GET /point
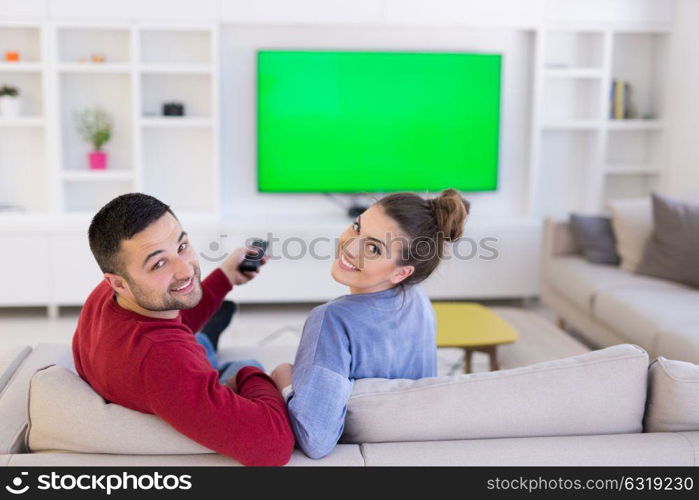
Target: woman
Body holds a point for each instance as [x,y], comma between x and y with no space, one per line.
[385,326]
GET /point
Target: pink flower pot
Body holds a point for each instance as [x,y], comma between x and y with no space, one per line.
[98,160]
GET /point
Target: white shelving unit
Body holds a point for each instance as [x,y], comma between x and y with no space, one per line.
[25,140]
[580,158]
[142,67]
[179,64]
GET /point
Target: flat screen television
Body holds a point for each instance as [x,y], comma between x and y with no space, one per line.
[348,122]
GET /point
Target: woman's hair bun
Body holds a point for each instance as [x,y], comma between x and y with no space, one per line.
[450,211]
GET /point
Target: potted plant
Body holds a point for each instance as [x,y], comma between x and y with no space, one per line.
[95,127]
[9,101]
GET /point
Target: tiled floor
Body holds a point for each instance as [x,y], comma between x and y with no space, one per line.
[272,325]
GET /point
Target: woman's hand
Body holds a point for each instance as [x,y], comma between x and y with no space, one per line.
[282,374]
[230,266]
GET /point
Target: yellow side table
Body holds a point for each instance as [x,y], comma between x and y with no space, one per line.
[472,327]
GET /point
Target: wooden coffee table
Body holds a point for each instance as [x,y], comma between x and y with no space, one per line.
[472,327]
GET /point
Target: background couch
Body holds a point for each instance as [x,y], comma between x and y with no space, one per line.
[609,305]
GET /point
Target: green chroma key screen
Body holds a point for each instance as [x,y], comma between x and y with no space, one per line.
[377,121]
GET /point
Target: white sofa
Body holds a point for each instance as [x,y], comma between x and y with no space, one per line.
[604,415]
[608,305]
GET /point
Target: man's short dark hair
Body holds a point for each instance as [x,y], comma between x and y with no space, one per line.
[119,220]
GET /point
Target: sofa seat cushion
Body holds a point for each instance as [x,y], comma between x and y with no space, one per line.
[673,396]
[343,455]
[579,281]
[660,448]
[640,314]
[600,392]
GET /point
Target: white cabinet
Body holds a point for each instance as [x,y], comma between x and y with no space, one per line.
[489,263]
[74,271]
[25,278]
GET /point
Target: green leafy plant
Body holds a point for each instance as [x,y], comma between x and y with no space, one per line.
[95,126]
[6,90]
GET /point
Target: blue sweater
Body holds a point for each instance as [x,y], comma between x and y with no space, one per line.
[387,334]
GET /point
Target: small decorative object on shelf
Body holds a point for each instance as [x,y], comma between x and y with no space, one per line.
[12,56]
[173,109]
[95,127]
[97,58]
[10,103]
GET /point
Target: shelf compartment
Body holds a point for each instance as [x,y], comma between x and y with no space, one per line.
[76,43]
[30,85]
[25,40]
[24,178]
[80,196]
[111,92]
[641,60]
[176,46]
[194,91]
[565,162]
[170,160]
[634,147]
[575,99]
[620,187]
[573,49]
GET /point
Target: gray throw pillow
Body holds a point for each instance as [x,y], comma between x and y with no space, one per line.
[673,250]
[594,235]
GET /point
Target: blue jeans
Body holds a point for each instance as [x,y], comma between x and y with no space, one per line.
[227,369]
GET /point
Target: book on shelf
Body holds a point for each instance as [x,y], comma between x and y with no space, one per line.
[621,106]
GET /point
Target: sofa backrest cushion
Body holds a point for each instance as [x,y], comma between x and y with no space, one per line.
[673,396]
[594,235]
[673,250]
[66,414]
[600,392]
[632,221]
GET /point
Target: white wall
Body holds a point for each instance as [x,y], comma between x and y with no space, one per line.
[683,81]
[511,13]
[238,139]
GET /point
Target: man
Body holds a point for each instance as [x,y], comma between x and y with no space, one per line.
[135,343]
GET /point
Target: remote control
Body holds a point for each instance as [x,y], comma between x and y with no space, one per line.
[251,262]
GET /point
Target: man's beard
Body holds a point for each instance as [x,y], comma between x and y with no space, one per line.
[166,301]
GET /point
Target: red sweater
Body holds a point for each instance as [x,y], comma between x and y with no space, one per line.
[156,366]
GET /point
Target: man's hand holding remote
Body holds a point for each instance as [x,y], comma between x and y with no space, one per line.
[230,266]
